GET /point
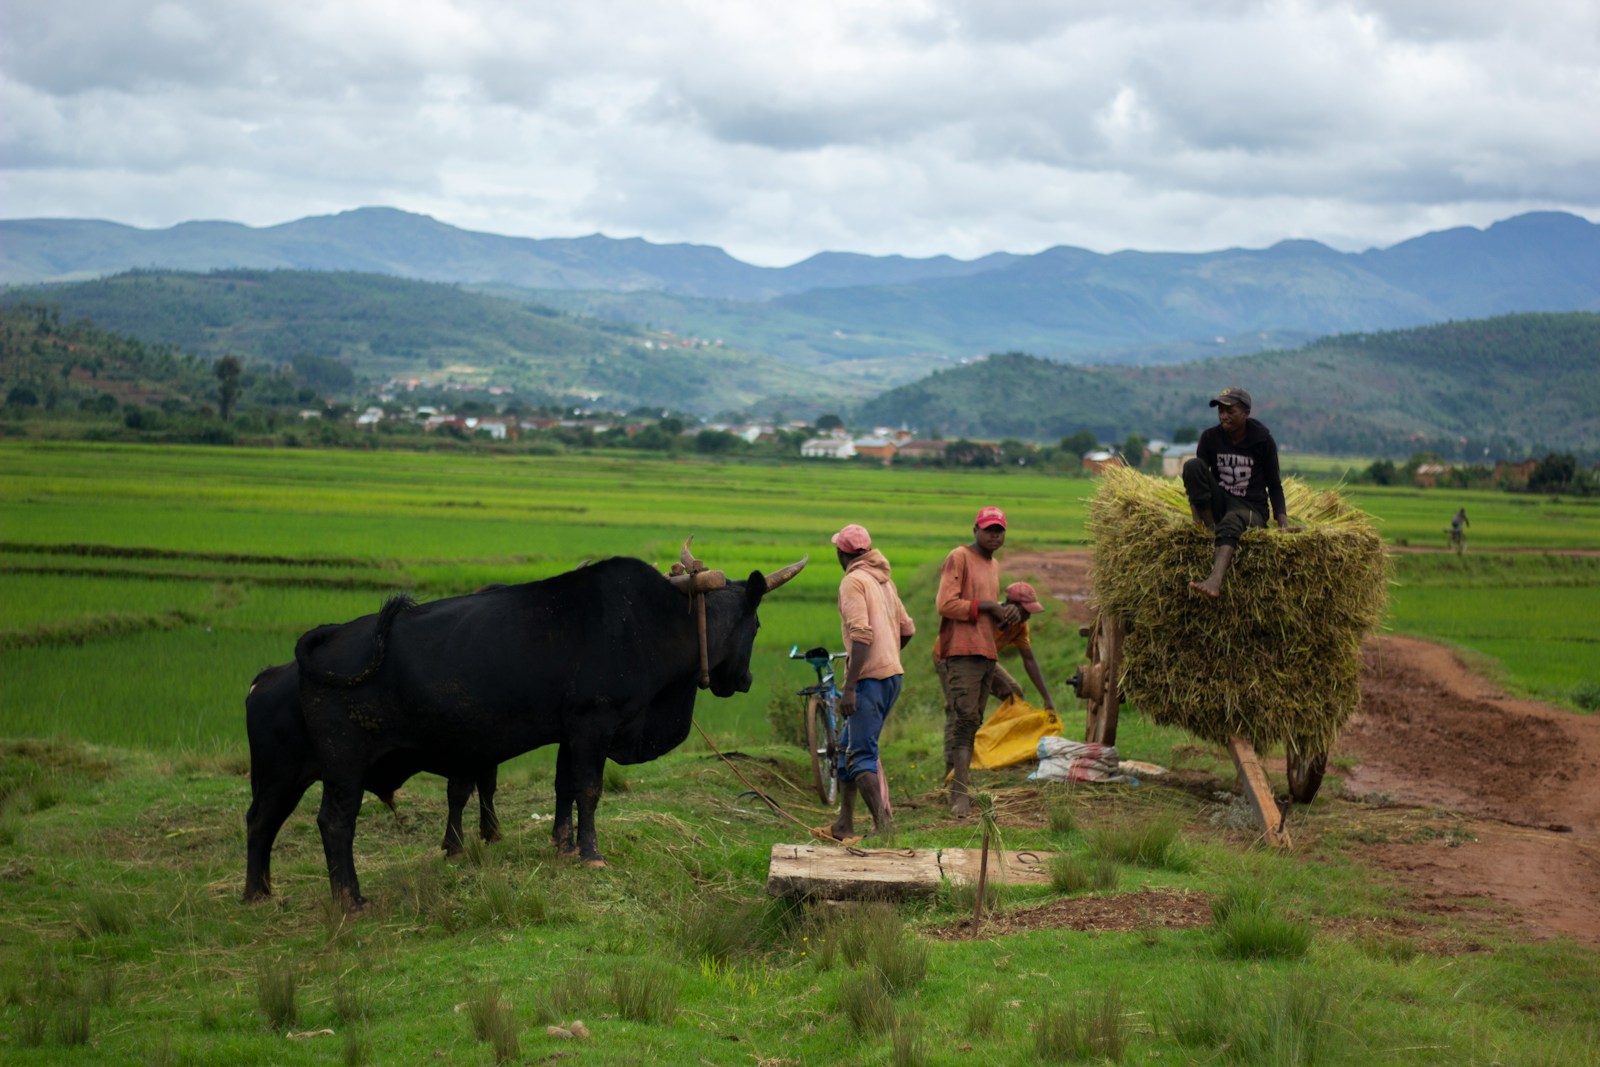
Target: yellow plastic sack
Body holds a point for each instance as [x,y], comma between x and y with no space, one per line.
[1012,734]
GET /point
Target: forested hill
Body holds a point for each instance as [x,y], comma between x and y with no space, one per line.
[381,327]
[1513,384]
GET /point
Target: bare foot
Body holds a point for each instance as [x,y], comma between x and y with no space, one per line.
[1204,590]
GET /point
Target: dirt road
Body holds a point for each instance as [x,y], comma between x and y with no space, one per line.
[1525,777]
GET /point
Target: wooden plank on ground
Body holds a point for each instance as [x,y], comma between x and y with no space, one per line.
[833,873]
[1009,868]
[1259,792]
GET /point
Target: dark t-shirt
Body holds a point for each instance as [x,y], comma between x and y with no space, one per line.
[1247,470]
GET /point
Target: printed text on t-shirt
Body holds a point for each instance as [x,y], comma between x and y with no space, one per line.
[1233,471]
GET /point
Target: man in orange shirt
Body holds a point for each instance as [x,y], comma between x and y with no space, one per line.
[875,627]
[965,655]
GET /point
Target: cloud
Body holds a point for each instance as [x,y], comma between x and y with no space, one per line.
[914,126]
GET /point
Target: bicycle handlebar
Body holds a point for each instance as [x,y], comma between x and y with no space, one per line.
[815,654]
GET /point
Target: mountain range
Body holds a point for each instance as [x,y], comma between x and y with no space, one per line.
[1062,303]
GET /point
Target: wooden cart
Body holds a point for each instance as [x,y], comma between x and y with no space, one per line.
[1096,684]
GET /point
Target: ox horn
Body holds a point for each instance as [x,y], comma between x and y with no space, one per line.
[778,577]
[687,558]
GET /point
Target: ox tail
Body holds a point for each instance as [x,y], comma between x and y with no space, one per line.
[310,642]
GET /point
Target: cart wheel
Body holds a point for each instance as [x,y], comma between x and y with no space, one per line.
[823,744]
[1305,772]
[1096,683]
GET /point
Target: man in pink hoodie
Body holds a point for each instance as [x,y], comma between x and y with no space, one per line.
[875,627]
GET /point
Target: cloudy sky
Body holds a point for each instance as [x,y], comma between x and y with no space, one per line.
[778,129]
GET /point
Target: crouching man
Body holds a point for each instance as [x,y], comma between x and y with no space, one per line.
[1231,481]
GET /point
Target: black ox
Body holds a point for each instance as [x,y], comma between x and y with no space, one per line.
[604,661]
[284,763]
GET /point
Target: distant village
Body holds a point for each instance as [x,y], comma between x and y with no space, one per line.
[826,439]
[492,414]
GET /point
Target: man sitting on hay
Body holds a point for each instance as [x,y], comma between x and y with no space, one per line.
[1231,480]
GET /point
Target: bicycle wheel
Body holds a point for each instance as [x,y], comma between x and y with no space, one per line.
[823,744]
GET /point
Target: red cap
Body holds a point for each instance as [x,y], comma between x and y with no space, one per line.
[853,539]
[1022,593]
[990,516]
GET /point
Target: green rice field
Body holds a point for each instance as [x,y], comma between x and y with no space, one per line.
[142,588]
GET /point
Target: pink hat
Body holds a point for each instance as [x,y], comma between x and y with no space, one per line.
[1022,593]
[853,539]
[990,516]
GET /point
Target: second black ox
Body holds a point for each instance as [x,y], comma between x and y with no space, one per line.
[604,661]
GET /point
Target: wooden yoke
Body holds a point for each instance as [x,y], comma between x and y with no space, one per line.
[689,575]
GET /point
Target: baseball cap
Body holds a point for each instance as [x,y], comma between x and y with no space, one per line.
[1231,396]
[1022,593]
[990,516]
[853,539]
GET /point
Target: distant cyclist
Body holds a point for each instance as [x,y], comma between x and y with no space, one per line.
[876,627]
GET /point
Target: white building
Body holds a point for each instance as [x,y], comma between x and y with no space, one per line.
[828,448]
[1173,457]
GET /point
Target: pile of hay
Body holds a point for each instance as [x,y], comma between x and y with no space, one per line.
[1275,659]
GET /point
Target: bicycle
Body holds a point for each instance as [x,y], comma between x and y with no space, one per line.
[824,730]
[1458,539]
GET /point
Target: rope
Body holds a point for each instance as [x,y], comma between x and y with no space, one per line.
[811,831]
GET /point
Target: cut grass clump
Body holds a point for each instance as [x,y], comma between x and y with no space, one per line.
[647,993]
[1247,927]
[1151,843]
[1061,812]
[1071,873]
[718,928]
[1217,668]
[906,1045]
[31,1026]
[1287,1023]
[351,1003]
[571,991]
[865,999]
[500,903]
[276,983]
[107,913]
[356,1050]
[494,1022]
[1070,1033]
[72,1023]
[986,1013]
[874,936]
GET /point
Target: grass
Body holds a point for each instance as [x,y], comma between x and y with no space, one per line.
[1075,1032]
[1071,873]
[1143,843]
[123,787]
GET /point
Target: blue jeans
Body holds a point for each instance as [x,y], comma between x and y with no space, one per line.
[858,749]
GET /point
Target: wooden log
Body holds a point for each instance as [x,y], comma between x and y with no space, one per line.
[833,873]
[1259,792]
[1011,867]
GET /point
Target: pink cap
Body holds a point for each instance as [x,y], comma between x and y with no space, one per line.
[1022,593]
[853,539]
[990,516]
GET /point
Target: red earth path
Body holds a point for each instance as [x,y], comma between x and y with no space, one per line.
[1523,776]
